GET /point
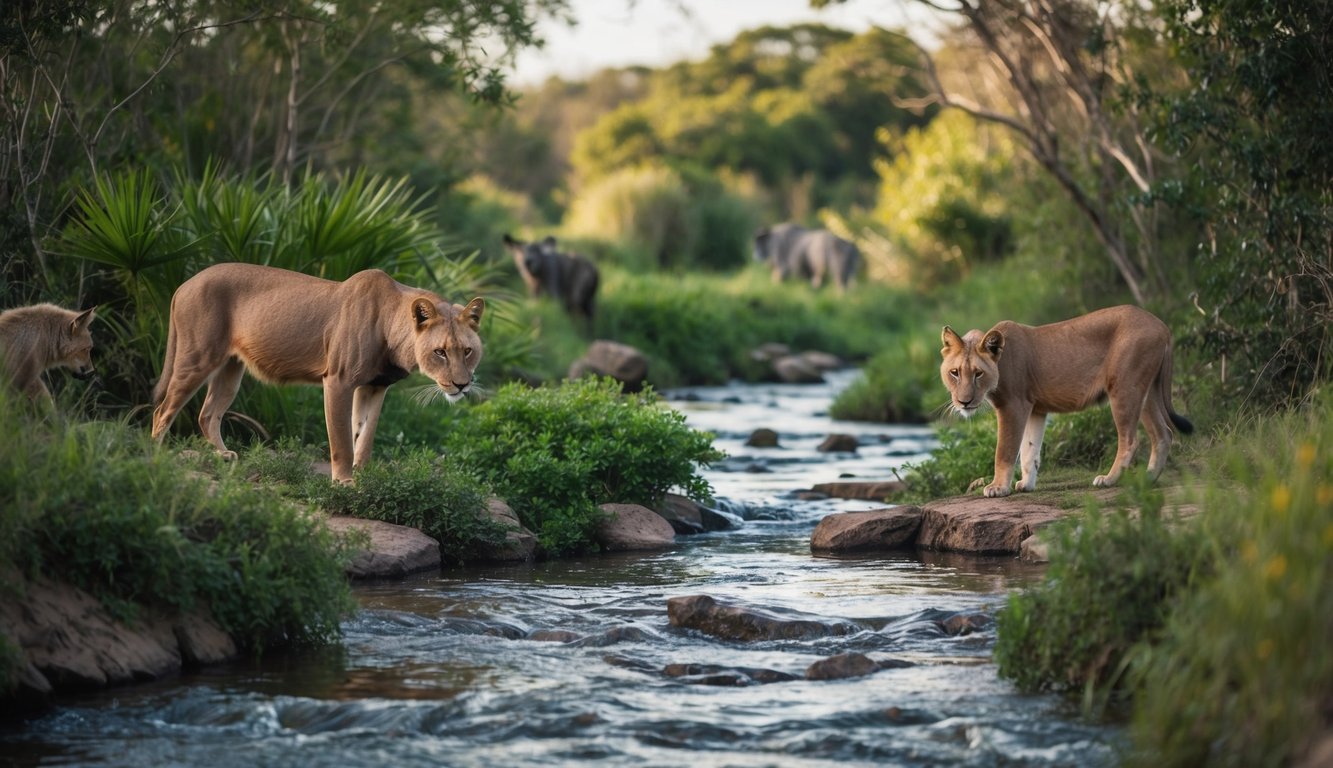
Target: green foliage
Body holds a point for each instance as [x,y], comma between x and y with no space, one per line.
[414,487]
[1112,580]
[1252,130]
[895,385]
[966,452]
[945,200]
[1241,672]
[672,219]
[555,453]
[98,505]
[1083,439]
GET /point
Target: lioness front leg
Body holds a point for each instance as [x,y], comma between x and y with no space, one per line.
[1008,439]
[367,402]
[1030,453]
[338,419]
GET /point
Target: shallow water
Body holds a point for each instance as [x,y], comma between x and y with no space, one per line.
[444,669]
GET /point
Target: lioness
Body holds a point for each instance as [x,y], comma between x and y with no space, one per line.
[40,337]
[1121,353]
[355,338]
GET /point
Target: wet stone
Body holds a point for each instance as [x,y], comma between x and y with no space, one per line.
[841,667]
[839,444]
[763,438]
[965,624]
[554,636]
[747,624]
[716,674]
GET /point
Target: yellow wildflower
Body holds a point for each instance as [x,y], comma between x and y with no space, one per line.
[1281,499]
[1275,568]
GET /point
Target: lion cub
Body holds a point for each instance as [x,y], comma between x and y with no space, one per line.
[355,338]
[37,338]
[1122,354]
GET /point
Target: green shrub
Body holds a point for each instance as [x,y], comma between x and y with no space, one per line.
[966,452]
[555,453]
[100,506]
[1112,580]
[1083,439]
[1241,673]
[895,385]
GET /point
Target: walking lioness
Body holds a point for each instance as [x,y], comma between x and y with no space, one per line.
[355,338]
[1122,354]
[40,337]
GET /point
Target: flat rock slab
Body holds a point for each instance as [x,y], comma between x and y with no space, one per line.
[71,642]
[394,551]
[868,531]
[982,526]
[874,490]
[748,624]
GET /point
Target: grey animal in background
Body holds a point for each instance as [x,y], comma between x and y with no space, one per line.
[811,254]
[566,277]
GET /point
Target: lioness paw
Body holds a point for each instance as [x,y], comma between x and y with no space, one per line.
[1103,481]
[997,490]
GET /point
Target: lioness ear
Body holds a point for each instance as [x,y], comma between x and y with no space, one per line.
[423,311]
[951,340]
[472,312]
[993,343]
[84,319]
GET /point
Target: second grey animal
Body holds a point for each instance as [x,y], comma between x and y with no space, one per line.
[813,254]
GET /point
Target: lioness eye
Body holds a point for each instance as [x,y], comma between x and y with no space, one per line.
[954,373]
[440,353]
[467,352]
[979,374]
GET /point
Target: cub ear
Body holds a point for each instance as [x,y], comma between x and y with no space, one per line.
[472,312]
[84,319]
[952,341]
[993,342]
[423,311]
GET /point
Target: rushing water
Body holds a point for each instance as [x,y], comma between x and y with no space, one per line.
[563,663]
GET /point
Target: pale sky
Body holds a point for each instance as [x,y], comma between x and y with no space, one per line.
[617,33]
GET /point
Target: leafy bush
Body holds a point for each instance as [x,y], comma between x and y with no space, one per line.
[99,505]
[1112,578]
[1241,672]
[966,452]
[895,385]
[556,453]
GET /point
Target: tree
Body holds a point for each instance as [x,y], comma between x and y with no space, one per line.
[1068,66]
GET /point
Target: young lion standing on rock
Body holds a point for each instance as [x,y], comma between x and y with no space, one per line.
[43,336]
[355,338]
[1122,354]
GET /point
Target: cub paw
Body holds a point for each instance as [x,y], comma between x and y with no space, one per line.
[996,491]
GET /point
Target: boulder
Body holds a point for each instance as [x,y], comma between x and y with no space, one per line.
[842,666]
[70,642]
[519,544]
[769,351]
[629,527]
[822,361]
[961,624]
[762,438]
[621,362]
[715,674]
[1034,549]
[983,526]
[872,530]
[794,369]
[684,514]
[839,444]
[394,551]
[874,490]
[735,622]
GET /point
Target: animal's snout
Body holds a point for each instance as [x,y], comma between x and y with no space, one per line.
[85,372]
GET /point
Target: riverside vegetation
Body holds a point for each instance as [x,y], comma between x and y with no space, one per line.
[1209,633]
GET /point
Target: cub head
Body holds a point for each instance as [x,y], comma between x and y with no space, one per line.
[971,367]
[75,346]
[446,342]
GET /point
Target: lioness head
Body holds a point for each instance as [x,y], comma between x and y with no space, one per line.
[75,347]
[970,369]
[447,345]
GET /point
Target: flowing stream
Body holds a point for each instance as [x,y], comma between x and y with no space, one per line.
[565,663]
